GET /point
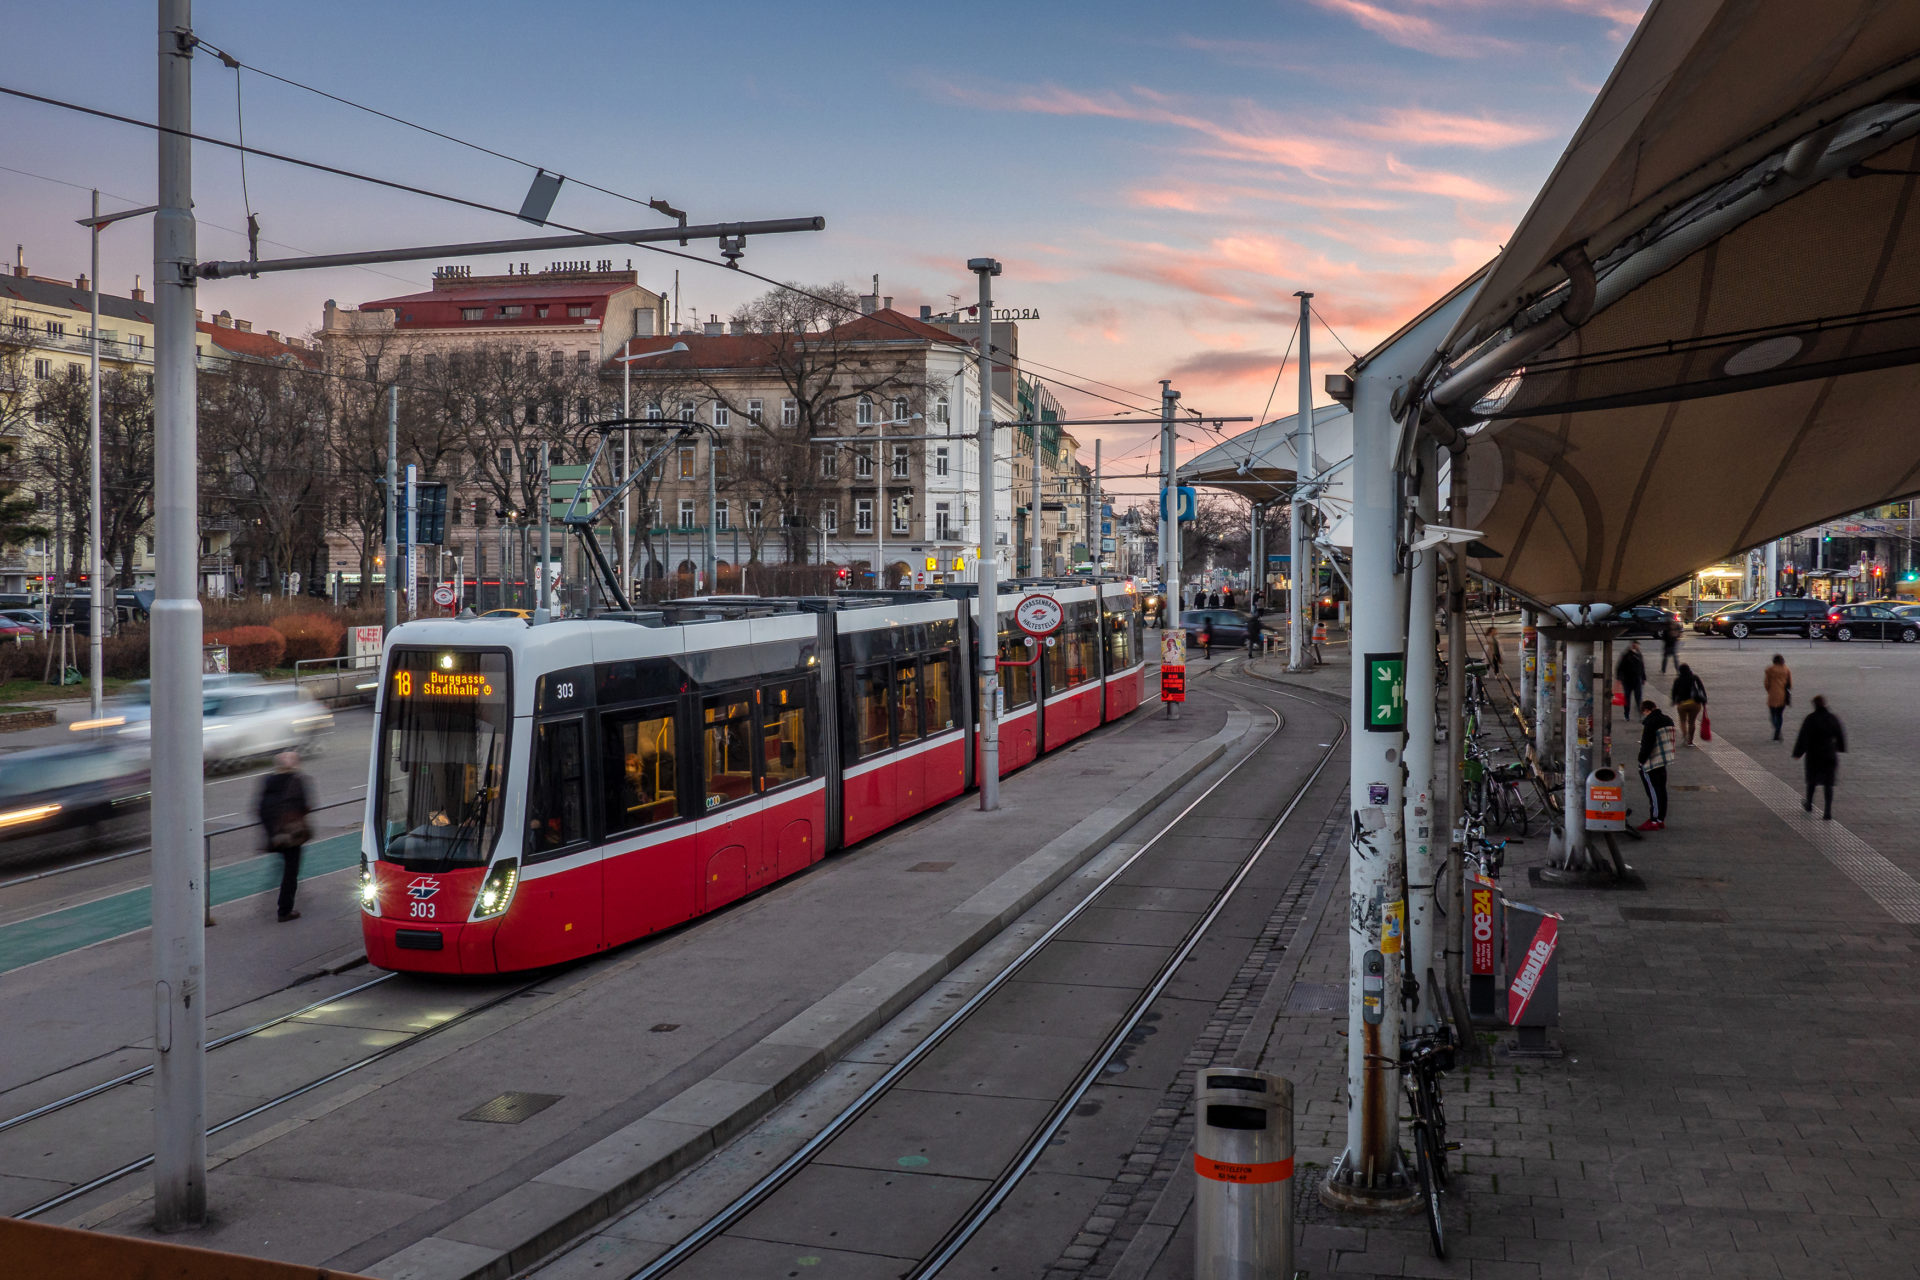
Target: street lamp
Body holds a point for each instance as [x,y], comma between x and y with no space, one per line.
[626,456]
[95,578]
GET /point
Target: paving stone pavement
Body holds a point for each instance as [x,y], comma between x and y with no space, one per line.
[1739,1096]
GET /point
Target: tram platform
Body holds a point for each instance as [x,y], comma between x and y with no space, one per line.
[541,1106]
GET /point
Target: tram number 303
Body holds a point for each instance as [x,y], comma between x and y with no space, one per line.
[420,910]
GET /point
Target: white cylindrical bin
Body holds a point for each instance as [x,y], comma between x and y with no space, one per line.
[1606,803]
[1243,1166]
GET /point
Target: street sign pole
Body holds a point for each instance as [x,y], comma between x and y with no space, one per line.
[989,599]
[1300,597]
[392,499]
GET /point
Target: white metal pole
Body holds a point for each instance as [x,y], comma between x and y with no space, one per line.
[178,806]
[626,473]
[1098,517]
[1425,870]
[1573,796]
[413,541]
[1033,512]
[393,502]
[1299,541]
[1170,499]
[989,594]
[713,544]
[1771,587]
[96,638]
[882,515]
[1370,1167]
[545,609]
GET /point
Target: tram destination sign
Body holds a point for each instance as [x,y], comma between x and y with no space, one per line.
[1038,615]
[451,686]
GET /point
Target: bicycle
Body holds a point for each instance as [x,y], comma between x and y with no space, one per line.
[1425,1056]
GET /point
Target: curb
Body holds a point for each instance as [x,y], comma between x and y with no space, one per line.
[530,1222]
[12,721]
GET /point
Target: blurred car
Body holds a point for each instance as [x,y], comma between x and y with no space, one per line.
[243,721]
[11,629]
[522,614]
[135,703]
[1229,626]
[32,619]
[55,799]
[1907,610]
[1646,620]
[1783,615]
[1703,621]
[1870,622]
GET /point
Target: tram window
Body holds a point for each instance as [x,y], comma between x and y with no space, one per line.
[1074,658]
[557,808]
[639,768]
[936,677]
[871,714]
[1016,681]
[906,680]
[783,734]
[728,750]
[1119,640]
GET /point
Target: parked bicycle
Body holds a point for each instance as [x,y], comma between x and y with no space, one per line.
[1425,1056]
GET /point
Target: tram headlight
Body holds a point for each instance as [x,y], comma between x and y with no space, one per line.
[497,892]
[369,890]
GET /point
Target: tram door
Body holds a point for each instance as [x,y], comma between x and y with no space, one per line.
[557,909]
[731,853]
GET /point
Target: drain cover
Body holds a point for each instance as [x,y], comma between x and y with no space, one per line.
[1316,997]
[512,1108]
[1677,915]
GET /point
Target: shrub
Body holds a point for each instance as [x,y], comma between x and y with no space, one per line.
[251,648]
[124,654]
[310,635]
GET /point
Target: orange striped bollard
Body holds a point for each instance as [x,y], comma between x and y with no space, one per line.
[1243,1175]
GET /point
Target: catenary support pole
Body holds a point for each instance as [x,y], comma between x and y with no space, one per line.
[713,507]
[1426,846]
[178,806]
[1098,516]
[1545,689]
[392,566]
[1299,526]
[989,596]
[1771,587]
[413,541]
[1576,732]
[1456,746]
[96,558]
[1034,566]
[543,612]
[1170,501]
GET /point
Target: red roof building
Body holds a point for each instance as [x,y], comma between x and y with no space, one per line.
[571,306]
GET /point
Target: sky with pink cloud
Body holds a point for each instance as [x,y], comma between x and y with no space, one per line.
[1158,179]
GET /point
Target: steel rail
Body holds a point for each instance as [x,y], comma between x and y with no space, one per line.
[770,1182]
[300,1091]
[94,1091]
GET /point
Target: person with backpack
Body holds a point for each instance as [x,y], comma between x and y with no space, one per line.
[1656,753]
[1690,700]
[1822,741]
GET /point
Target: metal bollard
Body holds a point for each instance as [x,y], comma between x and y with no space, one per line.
[1243,1166]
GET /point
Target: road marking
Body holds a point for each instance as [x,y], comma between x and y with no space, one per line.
[1879,879]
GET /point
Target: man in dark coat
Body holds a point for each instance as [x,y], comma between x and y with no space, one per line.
[1631,672]
[1254,629]
[1822,740]
[1656,753]
[283,817]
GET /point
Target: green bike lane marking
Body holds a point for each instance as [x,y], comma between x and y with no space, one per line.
[40,937]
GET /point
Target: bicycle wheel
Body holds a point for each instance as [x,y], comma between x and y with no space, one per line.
[1429,1188]
[1436,1128]
[1517,811]
[1496,806]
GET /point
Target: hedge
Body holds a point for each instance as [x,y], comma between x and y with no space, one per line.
[251,648]
[310,635]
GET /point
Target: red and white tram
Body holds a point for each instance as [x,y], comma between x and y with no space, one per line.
[540,793]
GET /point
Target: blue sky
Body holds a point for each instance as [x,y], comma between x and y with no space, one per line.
[1157,179]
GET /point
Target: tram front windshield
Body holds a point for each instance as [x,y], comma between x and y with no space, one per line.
[443,757]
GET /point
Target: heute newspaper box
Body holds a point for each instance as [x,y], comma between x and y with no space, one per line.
[1533,978]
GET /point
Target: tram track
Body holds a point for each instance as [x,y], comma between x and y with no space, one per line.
[982,1210]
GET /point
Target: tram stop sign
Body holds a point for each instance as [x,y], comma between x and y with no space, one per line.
[443,595]
[1386,692]
[1038,615]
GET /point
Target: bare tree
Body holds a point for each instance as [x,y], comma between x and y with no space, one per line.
[263,432]
[59,457]
[19,514]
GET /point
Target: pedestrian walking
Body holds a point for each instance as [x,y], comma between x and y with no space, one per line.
[1821,742]
[1656,753]
[1496,661]
[283,817]
[1213,599]
[1670,646]
[1779,683]
[1226,598]
[1206,636]
[1253,635]
[1689,694]
[1631,672]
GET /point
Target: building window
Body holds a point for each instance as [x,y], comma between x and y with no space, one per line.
[753,412]
[830,517]
[722,516]
[473,313]
[686,462]
[540,312]
[579,310]
[899,408]
[653,513]
[653,412]
[863,412]
[940,460]
[583,360]
[862,462]
[138,342]
[756,459]
[943,521]
[373,368]
[829,462]
[902,510]
[406,365]
[753,513]
[789,413]
[687,410]
[686,513]
[719,458]
[43,369]
[556,361]
[863,515]
[940,414]
[56,328]
[722,416]
[902,455]
[510,313]
[506,464]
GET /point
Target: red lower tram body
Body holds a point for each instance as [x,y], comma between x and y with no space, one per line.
[544,793]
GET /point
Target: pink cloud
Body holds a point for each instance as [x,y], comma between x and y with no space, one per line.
[1410,31]
[1443,129]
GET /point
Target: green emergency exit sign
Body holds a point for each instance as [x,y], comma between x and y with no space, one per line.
[1386,692]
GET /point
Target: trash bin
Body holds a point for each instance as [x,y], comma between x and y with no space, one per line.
[1243,1166]
[1606,803]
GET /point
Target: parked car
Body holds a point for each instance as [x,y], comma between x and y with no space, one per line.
[56,799]
[1229,626]
[1870,622]
[1907,610]
[522,614]
[1703,621]
[1646,620]
[32,619]
[13,630]
[1784,615]
[243,721]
